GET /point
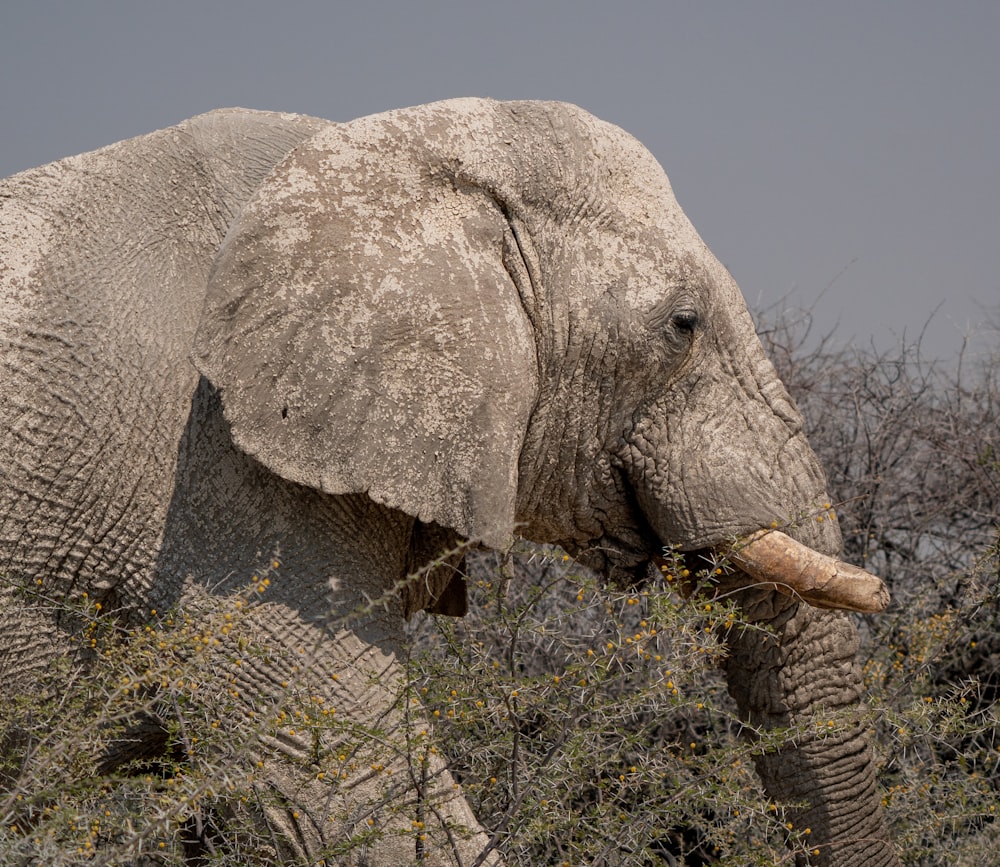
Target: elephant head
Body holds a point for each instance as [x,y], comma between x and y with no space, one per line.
[495,318]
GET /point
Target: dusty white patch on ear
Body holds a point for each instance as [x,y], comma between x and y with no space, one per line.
[292,230]
[299,182]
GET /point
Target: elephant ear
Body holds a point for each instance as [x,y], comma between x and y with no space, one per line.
[364,333]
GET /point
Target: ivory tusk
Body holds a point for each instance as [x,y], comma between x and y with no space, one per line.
[772,557]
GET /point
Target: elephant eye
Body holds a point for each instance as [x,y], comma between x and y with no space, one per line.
[685,321]
[677,320]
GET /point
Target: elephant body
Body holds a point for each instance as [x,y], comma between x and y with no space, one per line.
[351,349]
[94,479]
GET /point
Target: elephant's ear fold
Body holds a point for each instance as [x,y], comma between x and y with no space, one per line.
[365,335]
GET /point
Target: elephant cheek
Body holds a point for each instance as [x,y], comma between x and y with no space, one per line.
[713,493]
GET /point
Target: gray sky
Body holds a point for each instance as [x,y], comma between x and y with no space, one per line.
[843,156]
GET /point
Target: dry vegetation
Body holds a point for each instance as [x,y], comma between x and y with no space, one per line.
[591,725]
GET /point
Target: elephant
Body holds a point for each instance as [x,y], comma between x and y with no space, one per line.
[362,349]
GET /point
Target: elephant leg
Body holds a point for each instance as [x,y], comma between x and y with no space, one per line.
[33,641]
[32,647]
[805,676]
[342,764]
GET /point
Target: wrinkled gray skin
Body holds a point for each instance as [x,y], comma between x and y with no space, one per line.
[356,344]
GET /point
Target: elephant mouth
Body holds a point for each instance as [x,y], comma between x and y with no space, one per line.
[772,559]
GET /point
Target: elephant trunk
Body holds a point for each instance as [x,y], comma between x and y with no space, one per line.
[803,676]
